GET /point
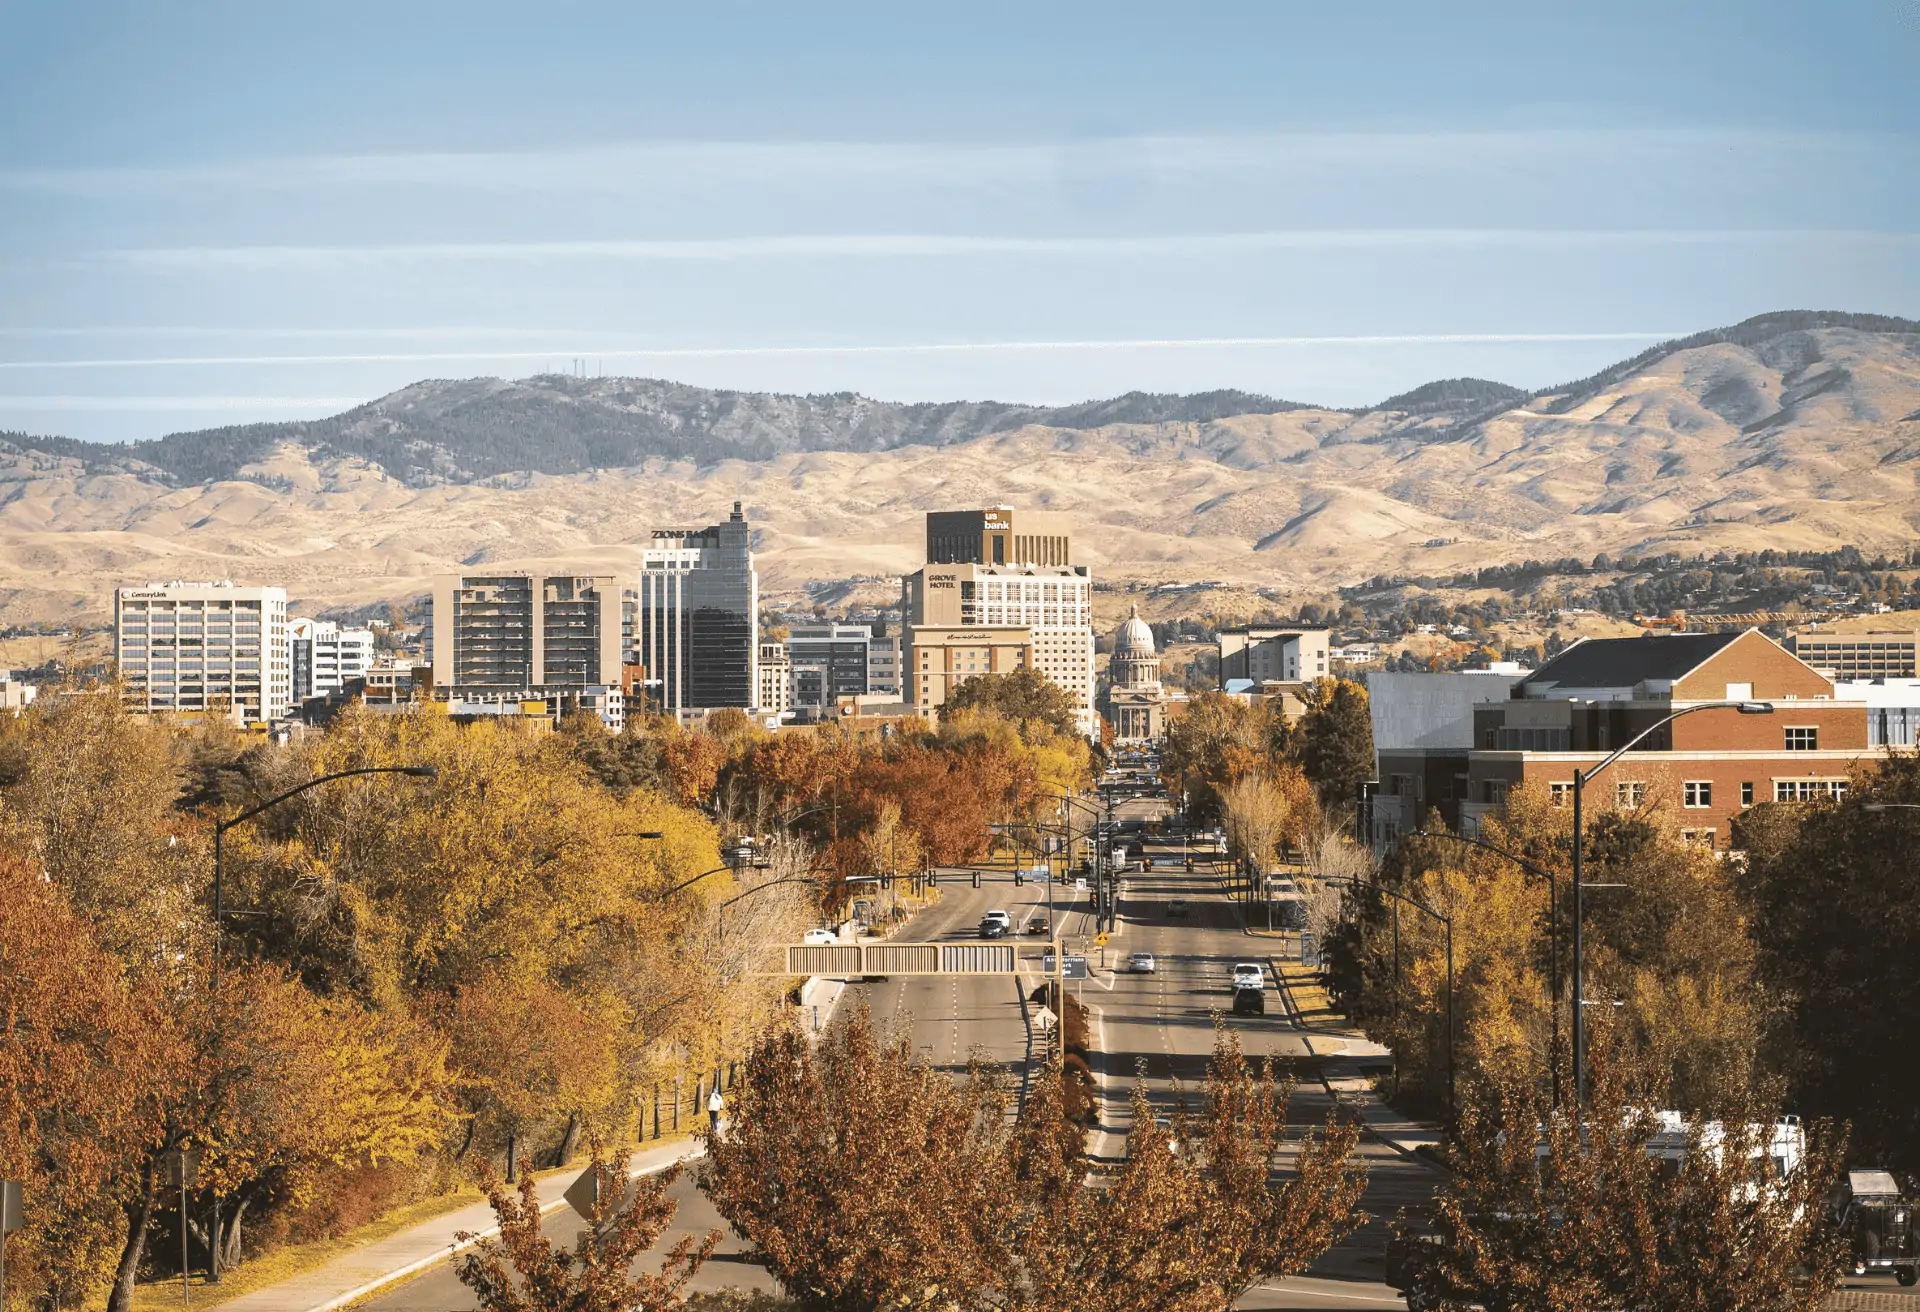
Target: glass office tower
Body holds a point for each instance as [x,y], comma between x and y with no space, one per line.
[695,623]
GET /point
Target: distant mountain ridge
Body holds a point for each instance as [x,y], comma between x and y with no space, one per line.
[1797,431]
[470,430]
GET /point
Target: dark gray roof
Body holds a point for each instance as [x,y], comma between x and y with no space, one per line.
[1623,662]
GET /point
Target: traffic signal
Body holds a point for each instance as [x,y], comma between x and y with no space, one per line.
[933,879]
[976,879]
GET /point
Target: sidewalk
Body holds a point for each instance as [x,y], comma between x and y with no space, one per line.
[352,1276]
[1346,1053]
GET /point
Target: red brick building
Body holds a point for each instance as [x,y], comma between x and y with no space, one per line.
[1698,772]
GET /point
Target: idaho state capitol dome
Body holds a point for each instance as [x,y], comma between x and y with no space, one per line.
[1135,661]
[1135,638]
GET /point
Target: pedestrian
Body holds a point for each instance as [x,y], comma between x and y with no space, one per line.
[715,1105]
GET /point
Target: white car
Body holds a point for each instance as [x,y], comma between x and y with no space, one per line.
[1006,921]
[819,937]
[1247,975]
[1142,963]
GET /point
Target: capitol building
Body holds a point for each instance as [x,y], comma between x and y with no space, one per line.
[1134,702]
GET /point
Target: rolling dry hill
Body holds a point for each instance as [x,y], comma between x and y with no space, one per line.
[1791,430]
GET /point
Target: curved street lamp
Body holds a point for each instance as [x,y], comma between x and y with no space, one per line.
[1580,780]
[220,913]
[1539,872]
[1381,890]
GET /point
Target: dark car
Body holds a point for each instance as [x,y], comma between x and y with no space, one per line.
[1249,1002]
[1038,925]
[1178,906]
[992,928]
[1867,1208]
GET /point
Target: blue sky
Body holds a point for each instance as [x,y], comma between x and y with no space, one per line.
[227,213]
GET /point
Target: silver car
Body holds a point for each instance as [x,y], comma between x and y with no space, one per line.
[1142,963]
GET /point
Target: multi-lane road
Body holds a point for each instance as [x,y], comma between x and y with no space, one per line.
[1158,1027]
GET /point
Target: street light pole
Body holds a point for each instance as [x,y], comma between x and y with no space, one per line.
[1446,922]
[1581,778]
[220,913]
[1553,927]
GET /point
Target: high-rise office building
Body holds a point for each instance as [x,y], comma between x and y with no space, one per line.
[1000,536]
[194,647]
[829,661]
[1024,582]
[323,656]
[696,616]
[498,641]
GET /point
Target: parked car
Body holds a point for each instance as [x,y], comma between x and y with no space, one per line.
[1142,963]
[819,937]
[1867,1208]
[1178,906]
[1248,975]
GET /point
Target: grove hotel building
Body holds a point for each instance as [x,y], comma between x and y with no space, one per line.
[1052,608]
[195,647]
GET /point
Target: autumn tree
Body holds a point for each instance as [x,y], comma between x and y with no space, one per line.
[85,1058]
[1194,1215]
[1216,741]
[1834,895]
[524,1271]
[1261,813]
[868,1180]
[1620,1210]
[1336,740]
[1025,697]
[865,1180]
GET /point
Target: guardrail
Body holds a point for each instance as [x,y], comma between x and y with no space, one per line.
[849,959]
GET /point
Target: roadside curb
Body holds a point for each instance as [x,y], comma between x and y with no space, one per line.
[1352,1099]
[441,1253]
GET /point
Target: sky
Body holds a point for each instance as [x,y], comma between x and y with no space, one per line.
[229,213]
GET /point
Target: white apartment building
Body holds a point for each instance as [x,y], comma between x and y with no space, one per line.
[883,666]
[194,647]
[323,656]
[776,680]
[1054,604]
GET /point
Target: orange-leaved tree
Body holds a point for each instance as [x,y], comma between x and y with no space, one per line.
[524,1271]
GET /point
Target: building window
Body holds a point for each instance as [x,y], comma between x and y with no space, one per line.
[1746,794]
[1704,837]
[1629,794]
[1560,793]
[1803,739]
[1808,790]
[1697,793]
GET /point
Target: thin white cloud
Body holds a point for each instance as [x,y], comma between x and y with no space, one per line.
[950,246]
[622,168]
[141,403]
[591,351]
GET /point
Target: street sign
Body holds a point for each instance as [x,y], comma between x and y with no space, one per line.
[584,1194]
[1044,1019]
[1100,939]
[183,1164]
[1076,965]
[11,1211]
